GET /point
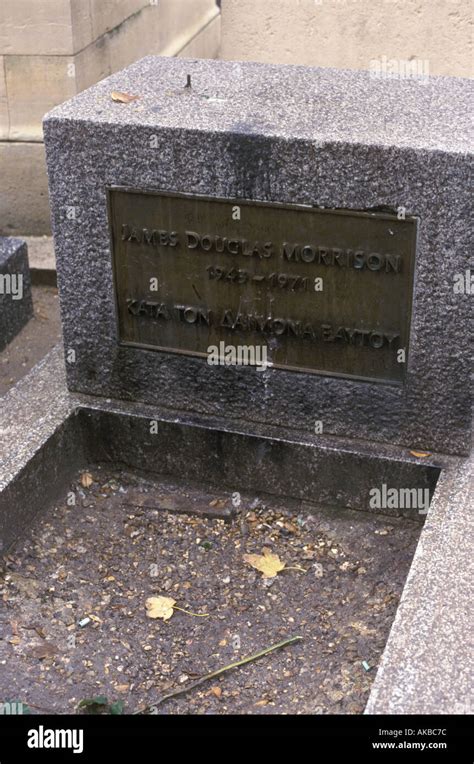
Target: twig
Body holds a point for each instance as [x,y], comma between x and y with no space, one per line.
[188,612]
[214,674]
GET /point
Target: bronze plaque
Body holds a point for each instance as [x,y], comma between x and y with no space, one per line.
[313,290]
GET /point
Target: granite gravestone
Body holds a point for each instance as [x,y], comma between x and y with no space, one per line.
[16,304]
[317,215]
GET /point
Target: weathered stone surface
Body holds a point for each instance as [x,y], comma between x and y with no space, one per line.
[65,27]
[30,28]
[330,138]
[49,51]
[34,85]
[16,305]
[64,57]
[434,35]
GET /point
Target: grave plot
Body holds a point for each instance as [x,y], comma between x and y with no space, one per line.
[78,592]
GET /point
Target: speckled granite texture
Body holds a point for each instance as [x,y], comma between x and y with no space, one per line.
[337,139]
[14,313]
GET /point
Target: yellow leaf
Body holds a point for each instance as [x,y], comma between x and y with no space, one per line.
[160,607]
[86,479]
[267,563]
[420,454]
[123,97]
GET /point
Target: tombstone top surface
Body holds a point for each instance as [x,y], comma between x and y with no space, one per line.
[293,102]
[9,245]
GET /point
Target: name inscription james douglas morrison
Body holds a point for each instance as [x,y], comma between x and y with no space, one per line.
[326,291]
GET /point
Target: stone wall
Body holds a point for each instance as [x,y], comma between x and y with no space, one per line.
[49,51]
[349,34]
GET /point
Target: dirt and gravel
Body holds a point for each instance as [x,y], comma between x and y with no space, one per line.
[118,539]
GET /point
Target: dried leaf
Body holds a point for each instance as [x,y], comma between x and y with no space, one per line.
[216,691]
[420,454]
[123,97]
[46,650]
[160,607]
[86,479]
[267,563]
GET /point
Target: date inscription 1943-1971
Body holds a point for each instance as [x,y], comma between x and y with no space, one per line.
[325,291]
